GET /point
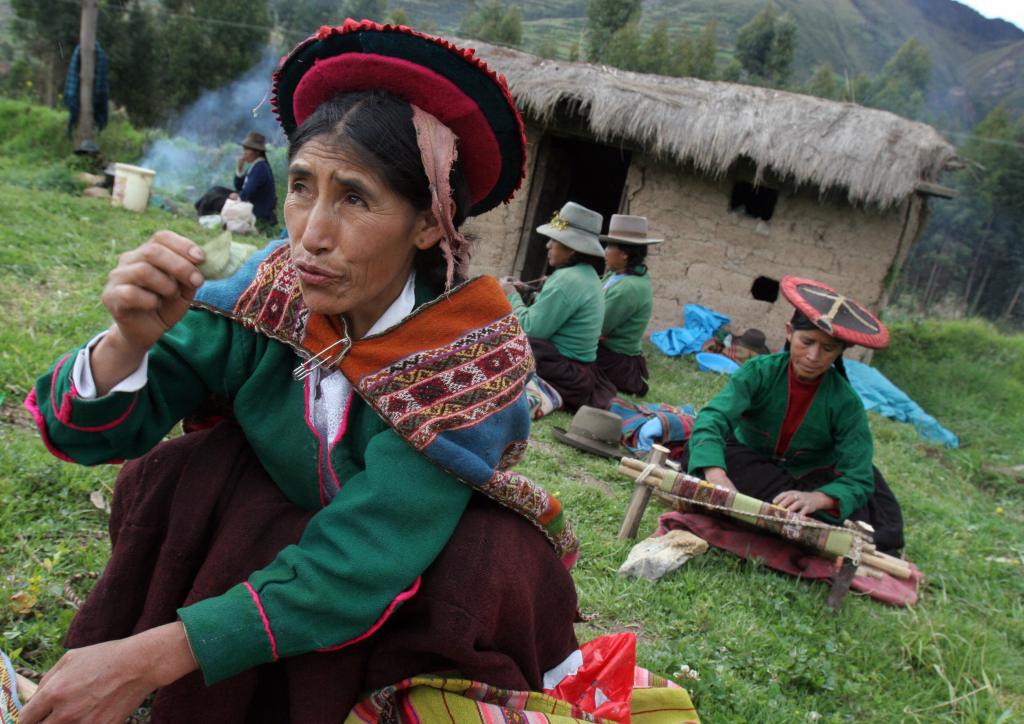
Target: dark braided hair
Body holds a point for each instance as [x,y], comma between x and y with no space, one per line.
[636,254]
[800,321]
[579,258]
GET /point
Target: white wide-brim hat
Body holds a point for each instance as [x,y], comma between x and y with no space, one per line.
[577,227]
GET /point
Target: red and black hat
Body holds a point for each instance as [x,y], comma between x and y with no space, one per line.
[446,81]
[834,314]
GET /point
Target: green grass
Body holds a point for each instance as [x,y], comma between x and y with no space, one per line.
[765,646]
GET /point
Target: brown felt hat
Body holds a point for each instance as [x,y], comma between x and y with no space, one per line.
[626,229]
[255,141]
[593,430]
[754,340]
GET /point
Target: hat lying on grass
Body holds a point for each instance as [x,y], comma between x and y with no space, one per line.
[593,430]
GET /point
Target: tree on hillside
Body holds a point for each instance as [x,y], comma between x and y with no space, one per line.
[765,47]
[694,57]
[604,19]
[364,10]
[823,83]
[655,54]
[901,85]
[973,248]
[495,23]
[705,51]
[297,19]
[213,41]
[624,48]
[49,32]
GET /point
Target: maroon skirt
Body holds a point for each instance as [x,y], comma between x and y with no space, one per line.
[579,383]
[628,372]
[198,514]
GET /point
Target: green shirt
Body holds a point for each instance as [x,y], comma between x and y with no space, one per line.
[568,311]
[394,513]
[833,432]
[628,304]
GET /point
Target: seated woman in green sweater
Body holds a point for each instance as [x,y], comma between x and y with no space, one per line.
[628,303]
[789,427]
[367,500]
[564,320]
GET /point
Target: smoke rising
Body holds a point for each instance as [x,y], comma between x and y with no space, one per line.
[202,148]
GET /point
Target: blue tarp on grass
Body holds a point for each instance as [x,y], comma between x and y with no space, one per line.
[701,323]
[885,398]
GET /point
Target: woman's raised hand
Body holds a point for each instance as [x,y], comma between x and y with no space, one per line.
[151,287]
[147,293]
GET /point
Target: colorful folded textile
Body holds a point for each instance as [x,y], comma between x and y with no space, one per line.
[439,699]
[644,423]
[10,706]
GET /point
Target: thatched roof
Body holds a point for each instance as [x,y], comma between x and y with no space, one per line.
[872,156]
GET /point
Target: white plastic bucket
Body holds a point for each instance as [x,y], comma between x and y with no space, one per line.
[132,185]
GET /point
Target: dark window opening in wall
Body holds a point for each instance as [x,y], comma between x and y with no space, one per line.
[765,289]
[756,201]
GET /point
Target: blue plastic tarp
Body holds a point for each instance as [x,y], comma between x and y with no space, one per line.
[700,324]
[885,398]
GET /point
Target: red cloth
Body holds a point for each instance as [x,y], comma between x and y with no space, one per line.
[801,394]
[787,557]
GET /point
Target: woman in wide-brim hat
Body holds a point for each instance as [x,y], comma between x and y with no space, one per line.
[789,427]
[628,303]
[254,181]
[332,537]
[564,320]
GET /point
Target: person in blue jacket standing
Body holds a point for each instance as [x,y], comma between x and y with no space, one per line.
[256,185]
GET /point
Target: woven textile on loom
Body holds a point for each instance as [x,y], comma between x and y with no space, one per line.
[437,699]
[819,536]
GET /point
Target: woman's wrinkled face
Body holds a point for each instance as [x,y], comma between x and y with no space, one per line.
[615,259]
[558,253]
[352,238]
[249,155]
[811,352]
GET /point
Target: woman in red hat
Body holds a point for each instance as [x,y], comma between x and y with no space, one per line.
[357,522]
[789,427]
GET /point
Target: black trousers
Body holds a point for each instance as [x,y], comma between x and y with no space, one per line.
[758,476]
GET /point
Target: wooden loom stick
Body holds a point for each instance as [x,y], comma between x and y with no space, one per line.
[641,494]
[887,564]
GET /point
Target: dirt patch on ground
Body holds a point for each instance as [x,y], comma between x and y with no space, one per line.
[591,481]
[13,413]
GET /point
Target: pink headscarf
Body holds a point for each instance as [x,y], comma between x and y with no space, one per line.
[438,152]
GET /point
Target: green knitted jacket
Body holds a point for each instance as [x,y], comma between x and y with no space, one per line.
[833,432]
[628,304]
[359,552]
[568,311]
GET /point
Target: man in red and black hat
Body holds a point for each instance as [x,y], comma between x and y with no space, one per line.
[790,428]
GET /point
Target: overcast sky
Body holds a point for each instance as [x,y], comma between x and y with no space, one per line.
[1012,10]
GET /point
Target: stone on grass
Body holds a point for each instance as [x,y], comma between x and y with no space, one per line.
[658,556]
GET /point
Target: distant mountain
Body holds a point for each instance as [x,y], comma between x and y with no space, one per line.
[977,62]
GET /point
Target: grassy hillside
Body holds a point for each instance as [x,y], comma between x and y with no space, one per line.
[765,647]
